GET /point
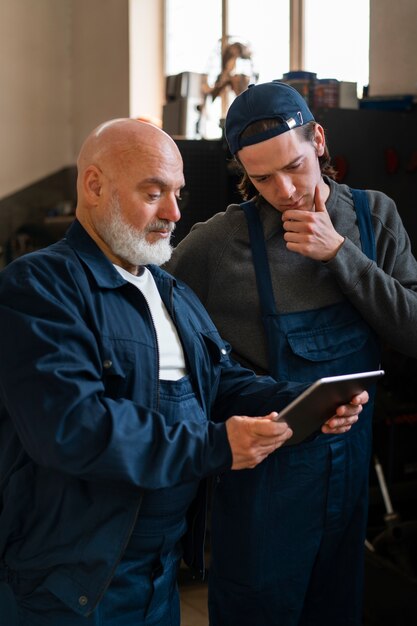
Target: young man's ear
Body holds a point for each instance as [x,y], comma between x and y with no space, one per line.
[319,140]
[93,183]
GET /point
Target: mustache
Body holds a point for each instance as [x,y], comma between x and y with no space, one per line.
[160,225]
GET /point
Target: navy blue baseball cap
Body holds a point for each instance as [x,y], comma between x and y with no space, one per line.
[274,100]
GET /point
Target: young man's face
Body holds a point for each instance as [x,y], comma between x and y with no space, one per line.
[285,169]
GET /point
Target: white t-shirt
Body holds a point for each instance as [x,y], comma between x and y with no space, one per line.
[171,355]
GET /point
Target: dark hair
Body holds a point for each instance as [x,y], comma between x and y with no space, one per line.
[245,186]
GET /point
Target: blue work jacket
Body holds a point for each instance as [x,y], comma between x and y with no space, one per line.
[81,434]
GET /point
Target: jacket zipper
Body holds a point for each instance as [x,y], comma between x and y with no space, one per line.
[155,336]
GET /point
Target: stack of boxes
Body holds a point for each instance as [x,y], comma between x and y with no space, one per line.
[327,93]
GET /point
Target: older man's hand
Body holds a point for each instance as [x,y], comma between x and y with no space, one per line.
[252,439]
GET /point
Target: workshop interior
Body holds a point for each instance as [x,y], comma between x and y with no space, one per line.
[57,83]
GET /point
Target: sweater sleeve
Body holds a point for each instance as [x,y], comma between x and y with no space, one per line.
[384,292]
[190,263]
[197,258]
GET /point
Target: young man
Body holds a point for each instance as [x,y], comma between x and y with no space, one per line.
[110,373]
[303,280]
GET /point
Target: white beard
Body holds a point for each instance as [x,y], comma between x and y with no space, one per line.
[130,244]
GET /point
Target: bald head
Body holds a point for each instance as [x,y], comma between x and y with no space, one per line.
[133,169]
[111,143]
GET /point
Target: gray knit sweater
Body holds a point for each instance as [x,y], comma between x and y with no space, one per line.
[215,259]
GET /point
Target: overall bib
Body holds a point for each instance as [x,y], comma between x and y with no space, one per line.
[144,589]
[294,526]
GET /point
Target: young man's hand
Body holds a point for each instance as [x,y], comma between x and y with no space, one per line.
[311,233]
[346,415]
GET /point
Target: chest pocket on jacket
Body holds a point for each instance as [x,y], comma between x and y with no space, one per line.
[216,347]
[208,355]
[339,350]
[118,362]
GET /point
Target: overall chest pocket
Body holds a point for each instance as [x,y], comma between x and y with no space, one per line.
[328,351]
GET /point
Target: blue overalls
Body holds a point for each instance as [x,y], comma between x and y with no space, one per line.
[144,589]
[288,536]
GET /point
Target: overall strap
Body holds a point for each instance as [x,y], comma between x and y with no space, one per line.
[259,253]
[366,231]
[260,259]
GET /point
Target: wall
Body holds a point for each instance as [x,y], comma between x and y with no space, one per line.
[393,47]
[64,68]
[35,90]
[100,65]
[147,84]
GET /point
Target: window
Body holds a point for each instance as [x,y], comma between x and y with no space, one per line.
[193,32]
[266,30]
[335,43]
[192,28]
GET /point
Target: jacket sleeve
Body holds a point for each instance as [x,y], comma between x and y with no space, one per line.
[241,392]
[384,292]
[51,391]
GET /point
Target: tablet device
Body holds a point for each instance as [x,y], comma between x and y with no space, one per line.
[318,403]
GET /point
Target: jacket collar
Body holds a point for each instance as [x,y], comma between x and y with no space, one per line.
[102,270]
